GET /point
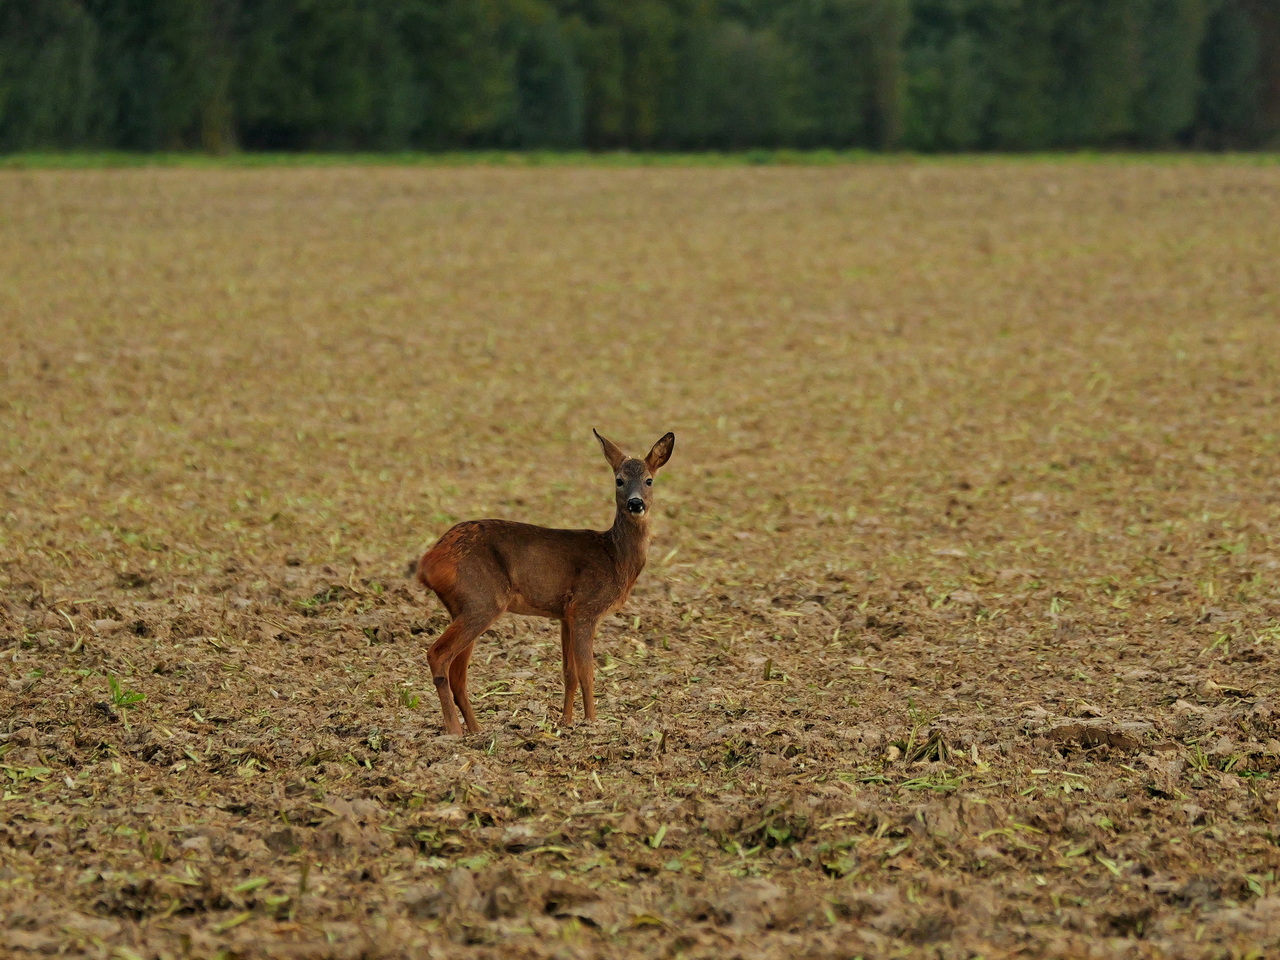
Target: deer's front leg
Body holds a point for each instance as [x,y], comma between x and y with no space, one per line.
[569,667]
[582,640]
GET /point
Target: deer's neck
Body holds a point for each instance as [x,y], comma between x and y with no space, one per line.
[630,539]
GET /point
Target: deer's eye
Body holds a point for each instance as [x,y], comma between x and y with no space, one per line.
[619,481]
[649,482]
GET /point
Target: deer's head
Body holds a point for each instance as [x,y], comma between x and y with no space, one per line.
[633,479]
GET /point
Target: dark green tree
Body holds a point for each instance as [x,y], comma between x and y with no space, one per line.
[549,82]
[639,74]
[49,82]
[1098,49]
[949,77]
[1229,56]
[157,71]
[1165,105]
[740,87]
[852,53]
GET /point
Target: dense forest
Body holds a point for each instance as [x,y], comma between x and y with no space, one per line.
[638,74]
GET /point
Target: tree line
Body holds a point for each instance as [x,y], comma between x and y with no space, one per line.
[638,74]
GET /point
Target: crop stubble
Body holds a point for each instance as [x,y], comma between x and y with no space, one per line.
[957,632]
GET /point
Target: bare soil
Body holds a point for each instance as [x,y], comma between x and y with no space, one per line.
[956,639]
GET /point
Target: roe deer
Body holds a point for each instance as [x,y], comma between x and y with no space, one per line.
[481,569]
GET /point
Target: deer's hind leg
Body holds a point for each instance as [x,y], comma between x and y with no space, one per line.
[448,659]
[458,687]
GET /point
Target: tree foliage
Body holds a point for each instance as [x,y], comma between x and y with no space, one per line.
[638,74]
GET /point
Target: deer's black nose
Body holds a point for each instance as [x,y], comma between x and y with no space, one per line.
[635,505]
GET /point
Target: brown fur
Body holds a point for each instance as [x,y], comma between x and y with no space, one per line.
[481,569]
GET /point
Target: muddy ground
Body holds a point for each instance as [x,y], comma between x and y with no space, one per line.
[956,638]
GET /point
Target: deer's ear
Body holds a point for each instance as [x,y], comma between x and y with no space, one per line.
[611,451]
[660,453]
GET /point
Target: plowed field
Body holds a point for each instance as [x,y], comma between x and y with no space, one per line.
[957,636]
